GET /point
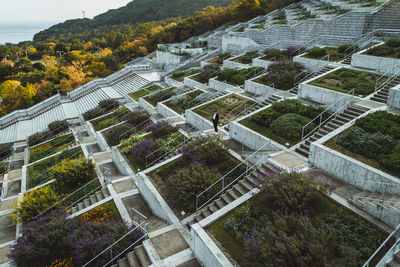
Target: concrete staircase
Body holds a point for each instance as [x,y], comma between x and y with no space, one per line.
[382,95]
[136,258]
[325,69]
[272,99]
[242,187]
[347,115]
[90,100]
[93,199]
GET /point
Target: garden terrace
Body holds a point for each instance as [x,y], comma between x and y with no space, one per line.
[237,77]
[335,54]
[160,96]
[272,54]
[179,75]
[105,212]
[331,9]
[180,103]
[390,49]
[103,107]
[220,59]
[258,25]
[343,80]
[51,147]
[208,72]
[373,140]
[145,91]
[38,172]
[292,213]
[364,3]
[143,151]
[280,18]
[112,118]
[229,107]
[282,75]
[303,14]
[55,129]
[284,120]
[203,162]
[246,58]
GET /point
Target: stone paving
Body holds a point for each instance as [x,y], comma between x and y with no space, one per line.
[3,254]
[169,243]
[7,228]
[124,186]
[289,160]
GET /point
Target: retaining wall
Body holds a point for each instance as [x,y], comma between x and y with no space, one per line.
[313,65]
[198,121]
[394,97]
[220,86]
[258,62]
[259,89]
[381,64]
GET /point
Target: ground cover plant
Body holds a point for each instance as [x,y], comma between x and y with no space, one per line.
[102,108]
[55,129]
[162,95]
[179,75]
[39,171]
[145,91]
[343,80]
[237,77]
[391,48]
[292,223]
[55,145]
[203,161]
[374,140]
[247,58]
[282,75]
[284,121]
[228,107]
[115,117]
[180,103]
[106,212]
[209,71]
[335,54]
[220,59]
[54,238]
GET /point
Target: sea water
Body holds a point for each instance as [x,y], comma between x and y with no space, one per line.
[15,32]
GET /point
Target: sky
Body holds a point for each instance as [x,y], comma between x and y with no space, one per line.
[54,10]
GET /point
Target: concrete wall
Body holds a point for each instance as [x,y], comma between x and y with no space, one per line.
[168,58]
[220,86]
[394,97]
[192,83]
[166,111]
[214,41]
[198,121]
[381,64]
[251,138]
[205,250]
[240,44]
[313,65]
[234,65]
[144,104]
[172,82]
[259,89]
[350,170]
[258,62]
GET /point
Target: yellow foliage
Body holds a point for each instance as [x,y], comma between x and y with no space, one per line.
[48,60]
[51,73]
[32,50]
[42,147]
[61,263]
[99,214]
[7,62]
[29,91]
[103,53]
[76,75]
[13,90]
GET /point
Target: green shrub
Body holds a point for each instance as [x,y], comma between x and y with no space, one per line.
[393,42]
[342,49]
[128,144]
[382,122]
[209,149]
[34,202]
[105,124]
[93,113]
[57,127]
[38,138]
[136,117]
[382,50]
[287,106]
[5,150]
[108,104]
[226,74]
[72,173]
[119,111]
[266,117]
[391,161]
[114,134]
[3,167]
[69,153]
[181,189]
[317,52]
[178,74]
[290,126]
[248,57]
[369,145]
[160,129]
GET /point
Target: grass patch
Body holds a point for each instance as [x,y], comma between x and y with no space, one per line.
[180,75]
[143,92]
[49,148]
[228,108]
[159,96]
[183,102]
[343,80]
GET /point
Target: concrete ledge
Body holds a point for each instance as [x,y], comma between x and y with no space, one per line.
[144,104]
[394,97]
[166,111]
[198,121]
[172,82]
[256,88]
[251,138]
[192,83]
[258,62]
[227,63]
[381,64]
[220,86]
[313,65]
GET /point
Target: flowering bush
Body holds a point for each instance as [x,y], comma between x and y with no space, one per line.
[109,104]
[136,117]
[128,144]
[98,214]
[114,134]
[51,147]
[105,124]
[61,263]
[160,129]
[72,173]
[119,111]
[282,74]
[181,189]
[144,151]
[57,127]
[209,149]
[34,202]
[38,138]
[93,113]
[171,142]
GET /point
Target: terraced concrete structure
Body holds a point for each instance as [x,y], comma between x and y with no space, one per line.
[173,240]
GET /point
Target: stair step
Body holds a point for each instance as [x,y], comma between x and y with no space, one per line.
[86,202]
[142,256]
[123,262]
[302,151]
[233,194]
[105,192]
[132,259]
[99,196]
[81,206]
[93,199]
[74,209]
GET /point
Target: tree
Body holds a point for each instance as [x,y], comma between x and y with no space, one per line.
[76,75]
[23,65]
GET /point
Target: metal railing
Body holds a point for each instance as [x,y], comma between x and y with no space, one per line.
[142,219]
[134,130]
[320,116]
[109,249]
[65,137]
[222,179]
[391,74]
[67,198]
[395,234]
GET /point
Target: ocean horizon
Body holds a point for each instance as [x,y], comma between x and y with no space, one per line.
[15,32]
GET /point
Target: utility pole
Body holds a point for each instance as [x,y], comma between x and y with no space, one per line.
[59,52]
[83,14]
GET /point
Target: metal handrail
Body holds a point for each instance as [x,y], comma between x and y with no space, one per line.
[62,200]
[366,264]
[377,88]
[223,177]
[113,244]
[323,112]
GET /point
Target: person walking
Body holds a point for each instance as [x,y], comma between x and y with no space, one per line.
[215,120]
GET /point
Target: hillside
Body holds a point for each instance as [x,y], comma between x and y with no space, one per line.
[133,13]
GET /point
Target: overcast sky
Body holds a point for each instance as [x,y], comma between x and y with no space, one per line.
[54,10]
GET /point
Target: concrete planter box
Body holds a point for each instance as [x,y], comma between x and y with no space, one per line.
[256,88]
[192,83]
[324,96]
[165,111]
[394,97]
[144,104]
[172,82]
[221,86]
[204,63]
[258,62]
[381,64]
[251,138]
[234,65]
[313,65]
[198,121]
